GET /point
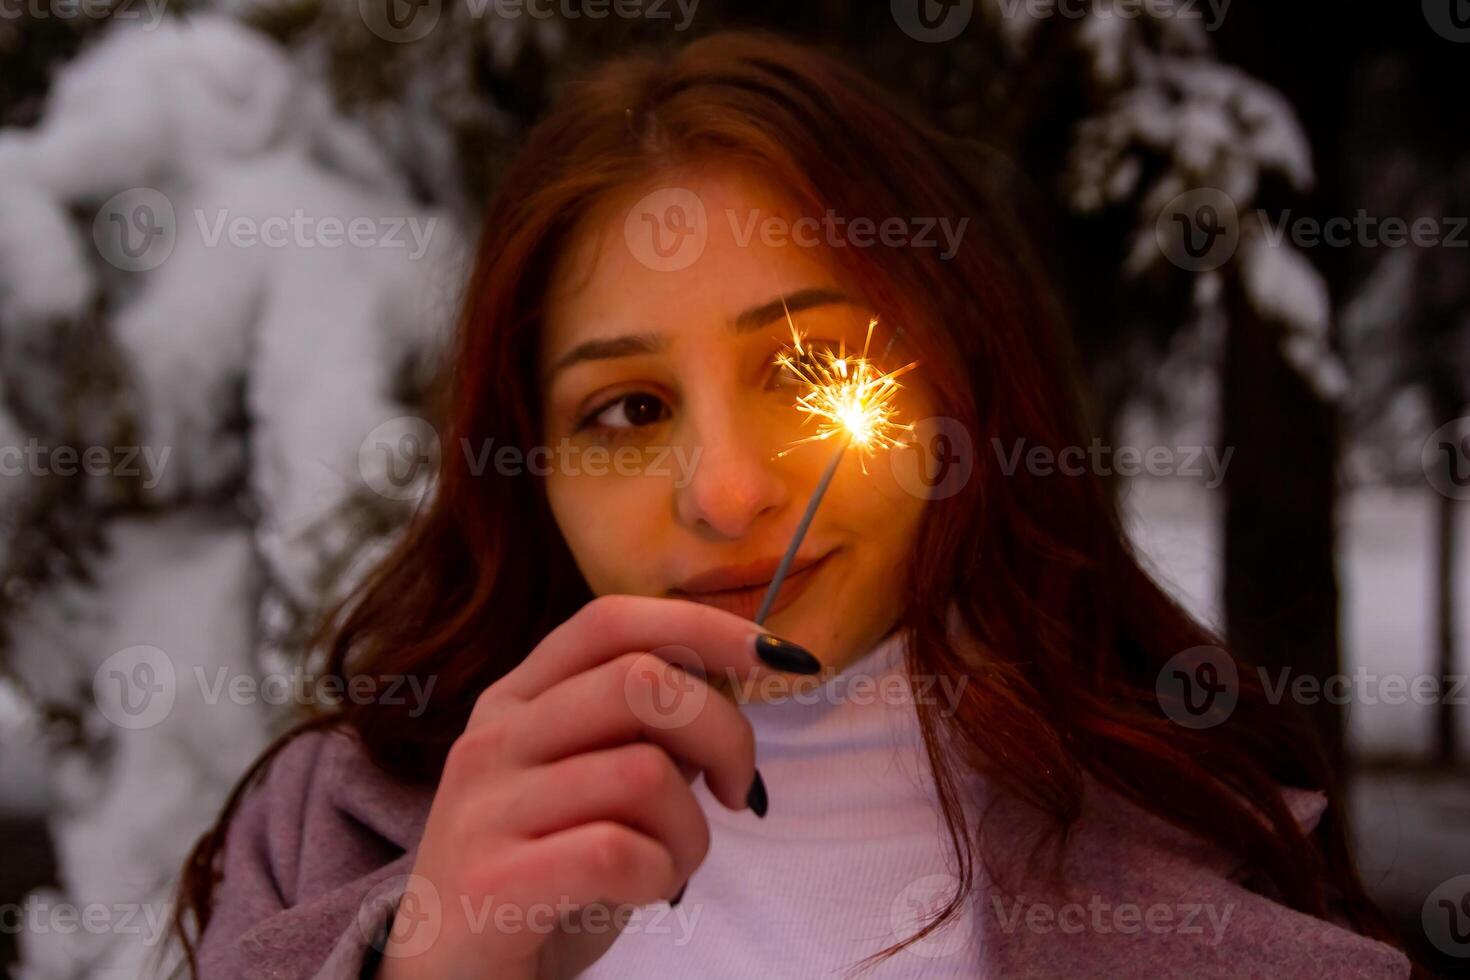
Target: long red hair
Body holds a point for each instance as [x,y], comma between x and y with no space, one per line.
[1069,632]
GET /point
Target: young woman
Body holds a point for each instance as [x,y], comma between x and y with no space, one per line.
[1006,795]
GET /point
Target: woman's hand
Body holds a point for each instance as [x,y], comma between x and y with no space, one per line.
[569,787]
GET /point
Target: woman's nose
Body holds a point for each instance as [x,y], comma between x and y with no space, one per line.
[735,481]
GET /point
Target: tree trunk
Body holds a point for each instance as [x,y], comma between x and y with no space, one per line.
[1281,591]
[1446,524]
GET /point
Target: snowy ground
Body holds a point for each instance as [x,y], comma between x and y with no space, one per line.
[1384,573]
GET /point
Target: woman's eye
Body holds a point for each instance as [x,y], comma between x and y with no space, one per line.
[626,412]
[795,368]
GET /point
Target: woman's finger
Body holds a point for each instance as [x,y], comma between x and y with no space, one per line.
[637,785]
[697,637]
[641,697]
[603,861]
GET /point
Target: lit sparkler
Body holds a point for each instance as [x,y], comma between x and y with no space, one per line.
[852,401]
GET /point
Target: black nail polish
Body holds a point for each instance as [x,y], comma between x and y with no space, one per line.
[785,655]
[756,798]
[675,900]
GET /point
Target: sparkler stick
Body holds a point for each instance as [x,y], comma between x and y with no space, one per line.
[852,400]
[806,519]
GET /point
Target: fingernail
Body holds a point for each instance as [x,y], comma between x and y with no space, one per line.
[785,655]
[756,798]
[675,900]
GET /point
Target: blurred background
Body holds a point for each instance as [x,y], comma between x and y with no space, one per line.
[232,236]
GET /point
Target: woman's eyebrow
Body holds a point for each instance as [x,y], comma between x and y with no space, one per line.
[602,348]
[803,299]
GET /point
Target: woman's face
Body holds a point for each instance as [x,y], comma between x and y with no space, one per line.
[665,410]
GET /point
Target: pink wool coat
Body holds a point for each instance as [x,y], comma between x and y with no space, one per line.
[319,850]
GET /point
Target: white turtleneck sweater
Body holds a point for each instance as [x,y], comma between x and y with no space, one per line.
[851,858]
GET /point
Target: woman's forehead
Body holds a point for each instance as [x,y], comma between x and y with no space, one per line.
[613,276]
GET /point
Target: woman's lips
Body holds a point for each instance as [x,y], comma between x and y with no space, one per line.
[746,602]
